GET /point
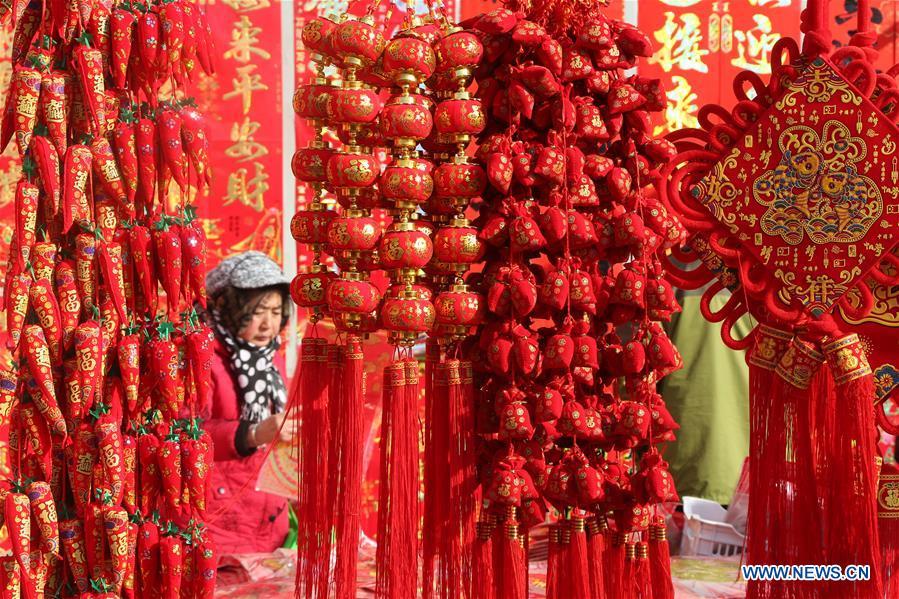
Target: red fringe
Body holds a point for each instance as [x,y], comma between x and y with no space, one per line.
[483,581]
[512,575]
[553,562]
[436,467]
[627,582]
[613,565]
[454,554]
[577,570]
[350,436]
[853,478]
[309,391]
[888,524]
[596,548]
[336,365]
[660,560]
[397,552]
[642,582]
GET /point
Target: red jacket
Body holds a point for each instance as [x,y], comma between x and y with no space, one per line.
[243,520]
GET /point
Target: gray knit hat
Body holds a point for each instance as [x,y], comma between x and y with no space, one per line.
[249,270]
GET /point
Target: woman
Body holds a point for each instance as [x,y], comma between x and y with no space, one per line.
[249,307]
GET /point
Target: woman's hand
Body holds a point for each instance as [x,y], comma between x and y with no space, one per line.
[266,431]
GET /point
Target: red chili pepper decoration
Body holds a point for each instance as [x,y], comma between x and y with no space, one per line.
[37,434]
[148,558]
[109,439]
[205,566]
[169,127]
[193,247]
[43,513]
[16,308]
[148,46]
[84,455]
[106,170]
[126,151]
[37,353]
[95,540]
[196,142]
[85,276]
[89,67]
[100,30]
[173,36]
[76,175]
[46,307]
[115,520]
[195,456]
[123,24]
[142,253]
[17,514]
[26,91]
[53,108]
[68,300]
[171,551]
[165,368]
[168,255]
[170,468]
[189,51]
[150,481]
[129,468]
[200,354]
[147,156]
[71,533]
[113,274]
[109,332]
[27,197]
[87,353]
[43,259]
[47,161]
[205,43]
[128,588]
[129,366]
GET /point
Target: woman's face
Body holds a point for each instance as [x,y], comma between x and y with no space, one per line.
[265,321]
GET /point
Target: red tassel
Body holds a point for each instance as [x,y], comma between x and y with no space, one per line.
[577,571]
[336,361]
[770,345]
[553,563]
[454,556]
[397,553]
[512,582]
[436,467]
[660,560]
[613,563]
[349,435]
[310,392]
[853,479]
[483,582]
[888,524]
[628,578]
[642,581]
[596,548]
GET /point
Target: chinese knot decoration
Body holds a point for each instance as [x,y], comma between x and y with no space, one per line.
[105,462]
[784,198]
[540,369]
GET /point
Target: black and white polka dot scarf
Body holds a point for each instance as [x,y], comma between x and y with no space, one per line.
[259,384]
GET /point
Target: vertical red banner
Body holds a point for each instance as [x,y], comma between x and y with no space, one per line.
[700,45]
[242,102]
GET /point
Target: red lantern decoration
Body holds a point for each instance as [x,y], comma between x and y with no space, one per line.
[357,42]
[408,60]
[353,169]
[353,232]
[404,247]
[407,182]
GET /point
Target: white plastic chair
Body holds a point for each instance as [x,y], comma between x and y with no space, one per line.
[707,532]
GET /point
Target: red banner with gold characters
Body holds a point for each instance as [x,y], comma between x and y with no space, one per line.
[242,101]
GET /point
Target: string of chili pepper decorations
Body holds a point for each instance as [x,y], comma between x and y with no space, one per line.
[105,490]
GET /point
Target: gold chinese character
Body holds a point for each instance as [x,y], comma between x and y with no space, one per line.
[680,44]
[250,192]
[244,85]
[754,46]
[244,42]
[245,147]
[247,5]
[681,110]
